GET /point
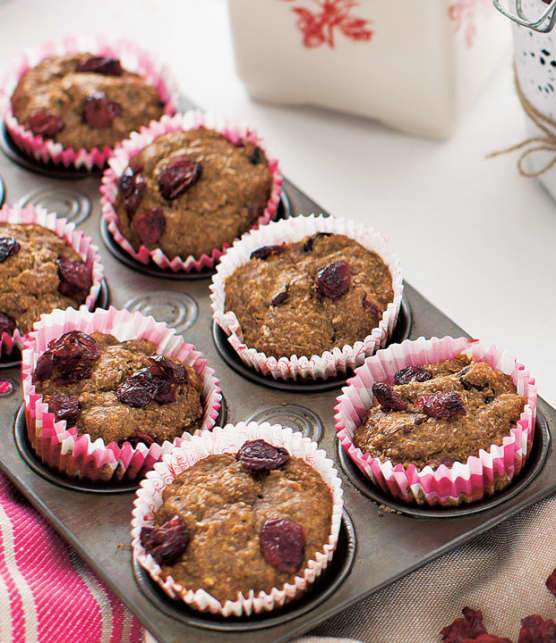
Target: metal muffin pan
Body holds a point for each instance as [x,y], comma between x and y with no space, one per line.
[377,545]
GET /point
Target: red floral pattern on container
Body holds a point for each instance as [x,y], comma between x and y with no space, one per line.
[319,28]
[464,14]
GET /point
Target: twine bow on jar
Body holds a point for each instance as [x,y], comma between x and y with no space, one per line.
[534,144]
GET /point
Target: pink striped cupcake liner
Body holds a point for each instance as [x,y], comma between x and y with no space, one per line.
[330,363]
[133,58]
[60,446]
[224,440]
[74,237]
[137,141]
[481,475]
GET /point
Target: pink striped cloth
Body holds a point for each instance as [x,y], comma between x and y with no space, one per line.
[47,593]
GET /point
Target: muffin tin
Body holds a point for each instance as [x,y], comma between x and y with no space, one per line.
[380,540]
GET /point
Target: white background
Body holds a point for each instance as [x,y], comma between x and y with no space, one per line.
[473,236]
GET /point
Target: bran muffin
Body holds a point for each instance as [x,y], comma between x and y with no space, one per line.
[307,297]
[39,271]
[192,191]
[84,101]
[228,510]
[118,391]
[440,413]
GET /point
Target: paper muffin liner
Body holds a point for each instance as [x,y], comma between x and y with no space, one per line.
[480,475]
[137,141]
[132,57]
[330,363]
[224,440]
[74,237]
[58,445]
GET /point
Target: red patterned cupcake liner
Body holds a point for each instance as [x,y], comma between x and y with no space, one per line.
[330,363]
[74,237]
[462,482]
[133,58]
[60,446]
[136,142]
[224,440]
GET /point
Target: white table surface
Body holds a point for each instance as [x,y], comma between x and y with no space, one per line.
[473,236]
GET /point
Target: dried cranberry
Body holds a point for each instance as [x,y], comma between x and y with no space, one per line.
[7,324]
[45,124]
[369,306]
[333,280]
[138,389]
[167,542]
[308,245]
[255,156]
[99,112]
[133,200]
[126,182]
[73,345]
[410,373]
[388,399]
[149,225]
[65,408]
[534,629]
[8,247]
[44,368]
[75,277]
[257,455]
[281,297]
[101,65]
[283,544]
[551,582]
[178,177]
[266,251]
[169,369]
[72,354]
[441,405]
[139,437]
[166,391]
[468,627]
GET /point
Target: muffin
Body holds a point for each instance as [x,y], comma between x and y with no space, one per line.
[184,189]
[307,297]
[313,303]
[447,421]
[118,391]
[107,393]
[44,264]
[84,101]
[73,100]
[248,516]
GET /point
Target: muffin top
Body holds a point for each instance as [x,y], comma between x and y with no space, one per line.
[84,101]
[39,272]
[307,297]
[236,522]
[190,192]
[118,391]
[440,413]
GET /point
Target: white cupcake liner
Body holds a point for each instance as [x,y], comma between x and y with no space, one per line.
[74,237]
[58,445]
[329,363]
[462,482]
[136,142]
[132,57]
[225,440]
